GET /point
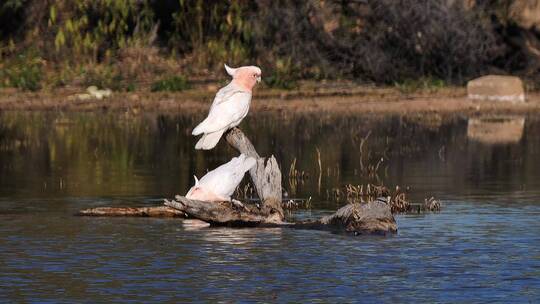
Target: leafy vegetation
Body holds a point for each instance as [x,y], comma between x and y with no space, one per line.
[23,72]
[128,44]
[285,75]
[424,83]
[171,84]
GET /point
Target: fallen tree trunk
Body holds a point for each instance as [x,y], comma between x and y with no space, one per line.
[367,218]
[164,211]
[154,211]
[224,213]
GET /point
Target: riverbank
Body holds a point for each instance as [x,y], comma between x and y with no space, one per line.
[334,99]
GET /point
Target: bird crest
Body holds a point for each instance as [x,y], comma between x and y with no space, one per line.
[230,70]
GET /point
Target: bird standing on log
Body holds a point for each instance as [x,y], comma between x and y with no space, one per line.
[230,106]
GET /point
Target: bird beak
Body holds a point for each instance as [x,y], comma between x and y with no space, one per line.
[258,79]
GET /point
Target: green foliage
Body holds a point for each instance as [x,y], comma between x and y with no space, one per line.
[423,83]
[383,41]
[107,77]
[171,84]
[285,75]
[214,31]
[24,72]
[130,87]
[100,76]
[94,30]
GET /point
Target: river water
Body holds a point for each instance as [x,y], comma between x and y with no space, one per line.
[484,246]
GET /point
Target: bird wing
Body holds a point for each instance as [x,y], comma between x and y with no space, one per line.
[209,140]
[225,93]
[224,179]
[230,105]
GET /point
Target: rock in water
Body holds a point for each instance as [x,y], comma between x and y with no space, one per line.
[363,218]
[495,87]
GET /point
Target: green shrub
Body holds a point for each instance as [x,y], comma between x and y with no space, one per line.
[107,76]
[423,83]
[284,77]
[130,87]
[23,72]
[101,76]
[171,84]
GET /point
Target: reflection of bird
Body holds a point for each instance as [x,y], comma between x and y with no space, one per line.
[230,106]
[219,184]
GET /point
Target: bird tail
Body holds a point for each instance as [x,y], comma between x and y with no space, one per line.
[199,129]
[245,163]
[209,140]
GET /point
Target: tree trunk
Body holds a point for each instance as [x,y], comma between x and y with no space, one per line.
[265,175]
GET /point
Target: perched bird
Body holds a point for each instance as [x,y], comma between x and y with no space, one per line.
[230,106]
[219,184]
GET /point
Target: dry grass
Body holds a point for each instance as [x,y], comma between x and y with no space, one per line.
[296,177]
[246,192]
[397,199]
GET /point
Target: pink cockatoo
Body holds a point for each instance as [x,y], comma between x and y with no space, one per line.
[219,184]
[230,106]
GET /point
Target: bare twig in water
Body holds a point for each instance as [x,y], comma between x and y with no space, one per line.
[320,171]
[296,177]
[294,204]
[244,192]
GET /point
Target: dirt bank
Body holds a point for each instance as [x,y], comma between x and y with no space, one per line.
[338,100]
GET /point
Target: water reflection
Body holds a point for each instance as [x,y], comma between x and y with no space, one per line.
[496,130]
[194,224]
[118,155]
[482,247]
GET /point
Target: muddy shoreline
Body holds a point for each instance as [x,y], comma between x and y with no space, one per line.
[357,100]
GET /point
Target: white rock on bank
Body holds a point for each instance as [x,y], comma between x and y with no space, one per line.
[92,93]
[497,88]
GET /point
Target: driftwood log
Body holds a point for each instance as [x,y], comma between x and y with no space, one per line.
[367,218]
[154,211]
[372,217]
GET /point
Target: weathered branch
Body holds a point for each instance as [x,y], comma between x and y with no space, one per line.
[224,213]
[266,175]
[155,211]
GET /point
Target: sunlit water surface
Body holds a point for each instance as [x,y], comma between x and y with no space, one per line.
[484,246]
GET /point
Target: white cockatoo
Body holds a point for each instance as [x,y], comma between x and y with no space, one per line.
[230,106]
[219,184]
